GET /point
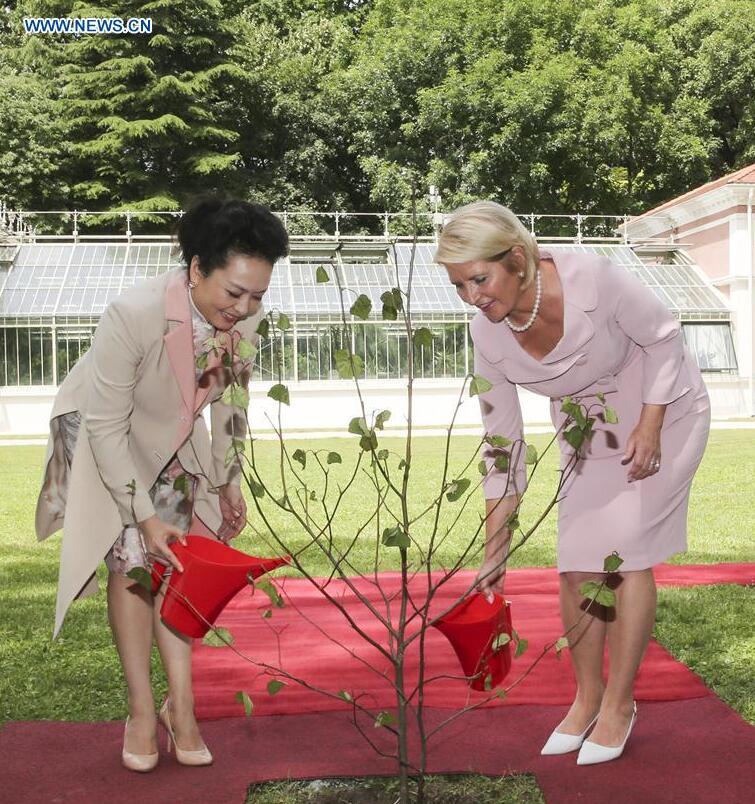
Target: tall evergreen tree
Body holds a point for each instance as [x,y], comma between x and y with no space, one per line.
[149,117]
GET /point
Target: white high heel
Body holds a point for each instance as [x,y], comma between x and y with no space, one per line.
[593,753]
[559,743]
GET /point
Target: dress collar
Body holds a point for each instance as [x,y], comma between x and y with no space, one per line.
[580,295]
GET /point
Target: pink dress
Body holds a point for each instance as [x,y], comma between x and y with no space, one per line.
[620,340]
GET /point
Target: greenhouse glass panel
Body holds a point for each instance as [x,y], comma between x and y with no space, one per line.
[711,345]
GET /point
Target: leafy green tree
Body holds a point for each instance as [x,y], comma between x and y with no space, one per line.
[149,118]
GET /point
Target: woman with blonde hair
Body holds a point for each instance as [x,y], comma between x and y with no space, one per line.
[130,467]
[575,324]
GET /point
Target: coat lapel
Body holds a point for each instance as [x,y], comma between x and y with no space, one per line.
[179,344]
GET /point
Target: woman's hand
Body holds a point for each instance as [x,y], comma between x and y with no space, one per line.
[233,509]
[644,451]
[157,536]
[491,575]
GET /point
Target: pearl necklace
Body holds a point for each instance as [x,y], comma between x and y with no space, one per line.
[535,309]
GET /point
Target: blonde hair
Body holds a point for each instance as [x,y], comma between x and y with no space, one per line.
[483,230]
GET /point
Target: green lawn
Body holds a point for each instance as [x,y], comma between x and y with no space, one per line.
[78,676]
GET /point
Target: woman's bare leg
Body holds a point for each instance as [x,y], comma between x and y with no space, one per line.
[130,616]
[586,645]
[628,636]
[175,652]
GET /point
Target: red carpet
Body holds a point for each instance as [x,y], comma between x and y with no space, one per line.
[305,652]
[681,752]
[693,751]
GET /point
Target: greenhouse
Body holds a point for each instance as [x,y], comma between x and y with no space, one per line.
[52,294]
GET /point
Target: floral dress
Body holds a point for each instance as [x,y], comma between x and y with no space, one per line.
[172,497]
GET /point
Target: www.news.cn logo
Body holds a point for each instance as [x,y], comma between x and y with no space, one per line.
[87,25]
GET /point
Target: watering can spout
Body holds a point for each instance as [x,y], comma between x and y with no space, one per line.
[213,574]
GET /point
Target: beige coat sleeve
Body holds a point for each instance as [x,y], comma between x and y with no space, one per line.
[115,357]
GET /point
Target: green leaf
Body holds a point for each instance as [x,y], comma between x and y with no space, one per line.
[601,396]
[263,328]
[131,486]
[574,437]
[257,489]
[345,696]
[613,562]
[284,322]
[482,468]
[398,299]
[267,614]
[348,365]
[274,686]
[321,275]
[389,313]
[361,307]
[498,441]
[236,395]
[423,337]
[218,637]
[384,719]
[457,489]
[142,576]
[395,537]
[358,426]
[301,457]
[599,592]
[269,589]
[488,682]
[369,441]
[401,464]
[382,418]
[561,643]
[313,495]
[530,455]
[202,361]
[501,694]
[501,462]
[479,385]
[280,394]
[237,446]
[383,455]
[181,483]
[333,457]
[512,523]
[501,640]
[246,349]
[226,360]
[521,647]
[244,699]
[610,415]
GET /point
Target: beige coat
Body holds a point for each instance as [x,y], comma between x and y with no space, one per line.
[137,394]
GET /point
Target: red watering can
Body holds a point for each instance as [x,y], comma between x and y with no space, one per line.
[213,574]
[471,627]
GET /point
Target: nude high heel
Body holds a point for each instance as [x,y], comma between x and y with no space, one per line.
[141,763]
[201,756]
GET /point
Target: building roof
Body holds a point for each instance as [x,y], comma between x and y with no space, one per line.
[745,175]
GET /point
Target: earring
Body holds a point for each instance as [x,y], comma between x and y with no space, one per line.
[192,284]
[521,274]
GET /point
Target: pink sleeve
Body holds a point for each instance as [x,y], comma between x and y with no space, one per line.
[647,321]
[501,415]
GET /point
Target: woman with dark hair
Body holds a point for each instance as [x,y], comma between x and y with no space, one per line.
[130,467]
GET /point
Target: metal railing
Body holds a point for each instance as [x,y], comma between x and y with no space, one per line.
[135,225]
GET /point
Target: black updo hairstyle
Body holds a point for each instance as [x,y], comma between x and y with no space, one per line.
[214,229]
